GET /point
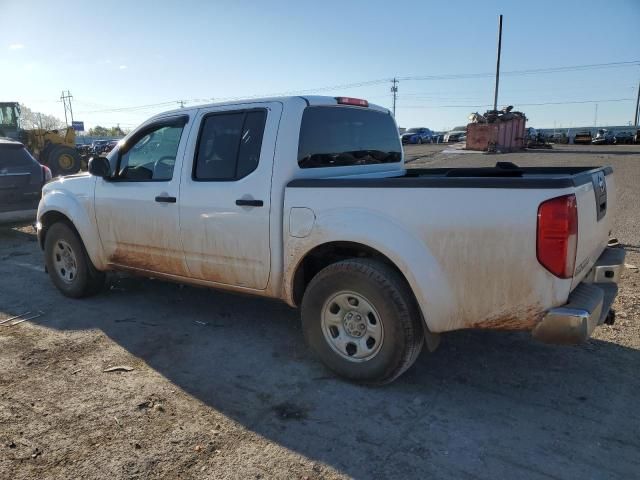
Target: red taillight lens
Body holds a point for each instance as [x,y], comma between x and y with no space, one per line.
[558,235]
[46,173]
[358,102]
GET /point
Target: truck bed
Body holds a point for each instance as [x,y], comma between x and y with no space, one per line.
[501,176]
[464,237]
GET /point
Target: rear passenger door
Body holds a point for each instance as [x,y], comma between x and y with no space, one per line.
[226,194]
[21,178]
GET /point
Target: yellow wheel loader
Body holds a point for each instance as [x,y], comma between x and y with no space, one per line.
[54,148]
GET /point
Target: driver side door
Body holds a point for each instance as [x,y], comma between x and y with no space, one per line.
[137,208]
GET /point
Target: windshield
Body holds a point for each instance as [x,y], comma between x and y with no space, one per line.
[9,115]
[413,130]
[343,136]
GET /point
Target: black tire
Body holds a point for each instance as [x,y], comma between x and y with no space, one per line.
[389,294]
[63,160]
[86,280]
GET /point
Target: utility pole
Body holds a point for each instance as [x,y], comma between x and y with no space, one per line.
[181,102]
[66,102]
[595,119]
[394,90]
[495,95]
[636,119]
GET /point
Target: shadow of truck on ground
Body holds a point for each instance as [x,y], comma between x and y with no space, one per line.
[483,403]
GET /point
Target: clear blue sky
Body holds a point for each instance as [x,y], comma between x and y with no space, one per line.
[120,54]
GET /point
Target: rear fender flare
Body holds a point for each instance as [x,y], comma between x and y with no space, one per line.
[407,252]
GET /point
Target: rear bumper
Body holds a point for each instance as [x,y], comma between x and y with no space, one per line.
[588,305]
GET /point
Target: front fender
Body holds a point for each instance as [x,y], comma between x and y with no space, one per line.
[78,208]
[407,252]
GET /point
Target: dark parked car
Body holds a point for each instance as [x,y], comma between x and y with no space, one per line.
[603,137]
[109,146]
[458,134]
[623,138]
[97,146]
[417,135]
[21,181]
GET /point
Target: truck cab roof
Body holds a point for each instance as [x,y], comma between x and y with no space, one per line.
[311,100]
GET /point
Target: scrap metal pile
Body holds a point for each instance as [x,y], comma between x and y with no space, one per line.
[492,116]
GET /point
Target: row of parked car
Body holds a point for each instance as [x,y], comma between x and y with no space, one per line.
[602,137]
[420,135]
[97,147]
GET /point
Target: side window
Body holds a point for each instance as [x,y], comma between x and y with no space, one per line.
[153,156]
[229,145]
[15,158]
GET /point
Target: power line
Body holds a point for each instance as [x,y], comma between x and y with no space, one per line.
[636,119]
[66,102]
[394,91]
[520,104]
[138,107]
[534,71]
[367,83]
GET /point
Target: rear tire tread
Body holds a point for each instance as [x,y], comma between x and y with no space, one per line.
[395,289]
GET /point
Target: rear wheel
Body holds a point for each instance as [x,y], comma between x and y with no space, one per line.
[360,318]
[68,264]
[63,160]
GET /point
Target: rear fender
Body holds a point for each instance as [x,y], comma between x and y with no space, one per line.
[391,239]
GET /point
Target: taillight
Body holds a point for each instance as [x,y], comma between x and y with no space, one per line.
[46,174]
[558,235]
[358,102]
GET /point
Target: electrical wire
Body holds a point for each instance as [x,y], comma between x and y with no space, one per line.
[520,104]
[344,86]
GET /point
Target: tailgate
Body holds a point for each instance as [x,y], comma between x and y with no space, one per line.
[596,207]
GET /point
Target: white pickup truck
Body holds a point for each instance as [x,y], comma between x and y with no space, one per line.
[307,199]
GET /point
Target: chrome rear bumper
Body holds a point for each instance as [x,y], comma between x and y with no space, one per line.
[588,305]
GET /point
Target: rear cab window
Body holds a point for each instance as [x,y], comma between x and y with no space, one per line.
[15,158]
[338,136]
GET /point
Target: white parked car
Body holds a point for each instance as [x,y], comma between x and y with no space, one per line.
[307,200]
[458,134]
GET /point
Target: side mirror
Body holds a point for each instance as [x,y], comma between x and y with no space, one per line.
[100,167]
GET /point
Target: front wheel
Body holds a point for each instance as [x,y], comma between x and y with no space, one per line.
[68,264]
[361,319]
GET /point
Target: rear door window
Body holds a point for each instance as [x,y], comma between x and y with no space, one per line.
[229,145]
[345,136]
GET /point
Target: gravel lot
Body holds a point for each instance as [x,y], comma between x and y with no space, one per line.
[222,385]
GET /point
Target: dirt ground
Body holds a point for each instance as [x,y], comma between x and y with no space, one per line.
[222,386]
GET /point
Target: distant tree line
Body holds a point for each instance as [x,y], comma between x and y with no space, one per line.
[31,120]
[99,131]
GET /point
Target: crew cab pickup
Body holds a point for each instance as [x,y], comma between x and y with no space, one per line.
[307,200]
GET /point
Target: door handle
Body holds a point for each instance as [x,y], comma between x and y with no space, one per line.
[247,202]
[164,199]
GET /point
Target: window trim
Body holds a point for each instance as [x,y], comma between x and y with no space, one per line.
[244,112]
[176,121]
